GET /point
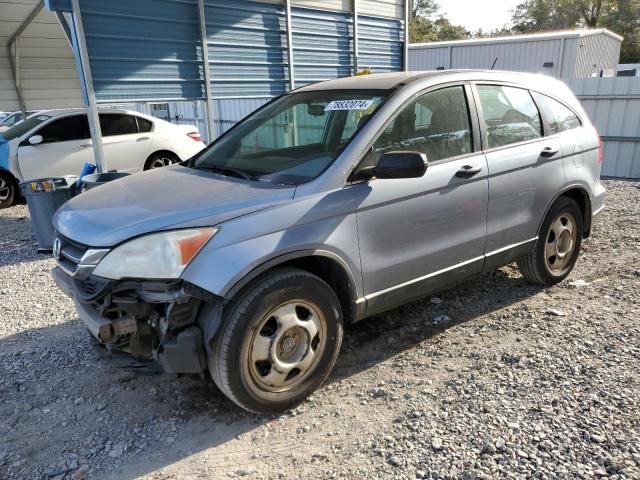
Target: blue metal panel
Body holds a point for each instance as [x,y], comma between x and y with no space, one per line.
[380,44]
[143,49]
[247,48]
[322,45]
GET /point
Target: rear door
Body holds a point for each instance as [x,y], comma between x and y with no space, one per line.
[65,148]
[125,147]
[525,168]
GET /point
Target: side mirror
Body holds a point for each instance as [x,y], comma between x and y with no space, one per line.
[401,165]
[36,139]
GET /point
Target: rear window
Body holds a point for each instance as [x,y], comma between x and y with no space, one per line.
[23,127]
[144,125]
[559,117]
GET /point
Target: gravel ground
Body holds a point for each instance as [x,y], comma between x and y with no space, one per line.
[495,378]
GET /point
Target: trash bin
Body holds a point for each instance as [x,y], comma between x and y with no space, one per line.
[44,196]
[96,179]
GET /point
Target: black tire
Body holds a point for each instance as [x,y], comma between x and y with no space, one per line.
[8,189]
[538,266]
[246,319]
[160,159]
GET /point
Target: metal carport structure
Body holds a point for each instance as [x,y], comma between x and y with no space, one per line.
[174,50]
[37,66]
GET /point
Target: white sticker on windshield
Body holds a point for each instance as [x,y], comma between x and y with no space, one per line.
[348,105]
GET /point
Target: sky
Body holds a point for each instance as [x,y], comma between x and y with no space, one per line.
[475,14]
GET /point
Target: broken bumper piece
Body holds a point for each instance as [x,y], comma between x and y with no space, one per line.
[151,320]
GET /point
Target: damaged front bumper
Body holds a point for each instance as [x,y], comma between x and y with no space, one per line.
[166,321]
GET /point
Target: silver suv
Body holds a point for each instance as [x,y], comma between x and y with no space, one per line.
[327,205]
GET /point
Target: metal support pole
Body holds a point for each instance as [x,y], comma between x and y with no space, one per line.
[405,49]
[292,82]
[16,78]
[208,110]
[355,36]
[90,97]
[14,56]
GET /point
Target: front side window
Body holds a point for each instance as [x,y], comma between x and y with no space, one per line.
[75,127]
[23,127]
[294,138]
[510,115]
[559,117]
[436,124]
[117,124]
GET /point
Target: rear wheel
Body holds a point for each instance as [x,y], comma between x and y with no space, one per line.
[278,341]
[160,159]
[8,189]
[558,246]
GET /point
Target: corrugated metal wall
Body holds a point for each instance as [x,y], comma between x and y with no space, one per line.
[428,59]
[381,44]
[143,49]
[614,107]
[322,45]
[596,53]
[47,67]
[247,48]
[522,55]
[149,50]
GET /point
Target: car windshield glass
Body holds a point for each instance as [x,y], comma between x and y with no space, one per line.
[294,138]
[23,127]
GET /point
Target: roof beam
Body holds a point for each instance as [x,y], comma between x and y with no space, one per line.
[23,26]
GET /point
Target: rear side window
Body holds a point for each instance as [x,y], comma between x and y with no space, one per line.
[117,124]
[144,125]
[559,117]
[75,127]
[510,115]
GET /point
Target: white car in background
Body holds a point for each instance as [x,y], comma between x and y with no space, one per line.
[55,143]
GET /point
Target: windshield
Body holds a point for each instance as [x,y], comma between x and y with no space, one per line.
[23,127]
[293,139]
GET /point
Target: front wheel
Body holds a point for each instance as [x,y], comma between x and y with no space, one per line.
[8,190]
[558,246]
[278,341]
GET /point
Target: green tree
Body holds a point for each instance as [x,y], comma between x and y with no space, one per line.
[428,25]
[619,16]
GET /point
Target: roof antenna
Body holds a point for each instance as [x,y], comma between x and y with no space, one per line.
[494,63]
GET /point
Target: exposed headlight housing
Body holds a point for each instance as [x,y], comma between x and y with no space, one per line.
[157,256]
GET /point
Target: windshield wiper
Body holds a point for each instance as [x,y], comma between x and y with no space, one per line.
[228,171]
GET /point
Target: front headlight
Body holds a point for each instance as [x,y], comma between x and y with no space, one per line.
[159,255]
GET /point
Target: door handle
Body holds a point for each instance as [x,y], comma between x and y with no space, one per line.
[85,145]
[468,171]
[142,139]
[548,152]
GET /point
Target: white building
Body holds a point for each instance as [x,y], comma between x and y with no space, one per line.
[565,54]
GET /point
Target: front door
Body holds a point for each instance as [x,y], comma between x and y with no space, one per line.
[65,148]
[418,234]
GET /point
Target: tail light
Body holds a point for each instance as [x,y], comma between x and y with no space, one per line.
[600,150]
[195,136]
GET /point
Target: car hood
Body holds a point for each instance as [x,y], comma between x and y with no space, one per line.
[162,199]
